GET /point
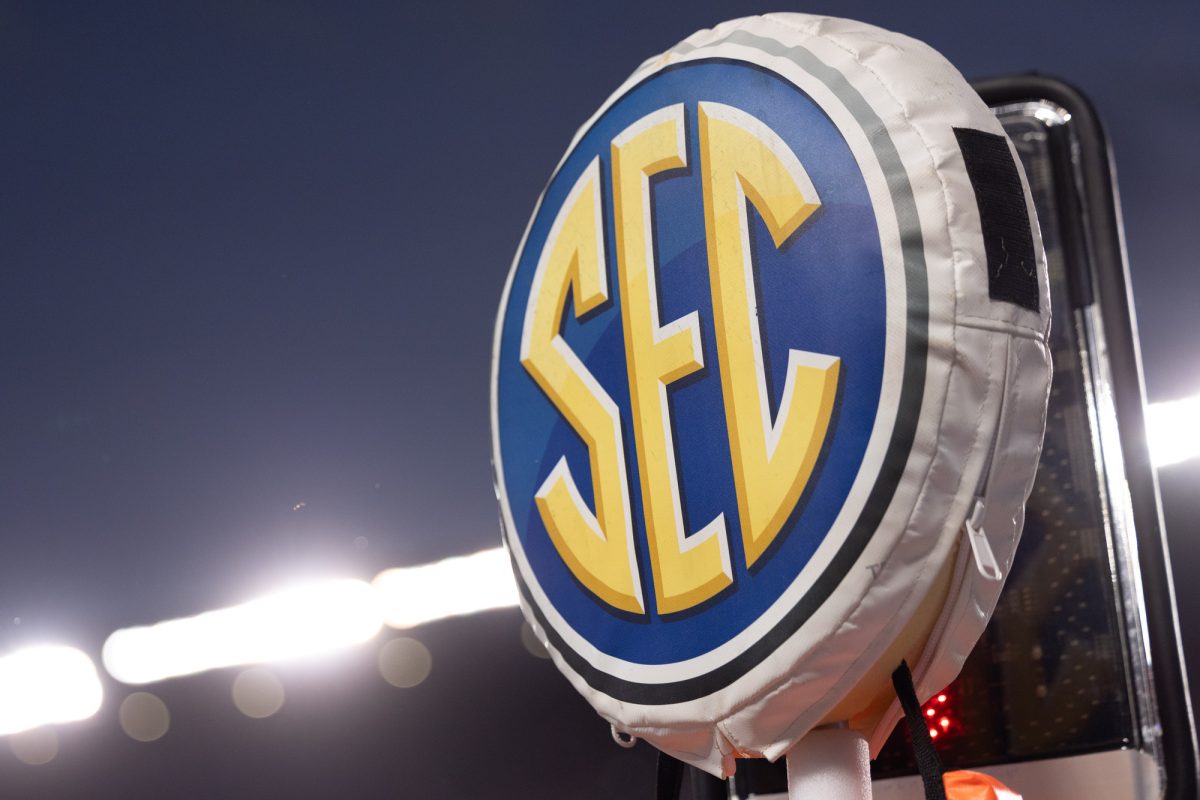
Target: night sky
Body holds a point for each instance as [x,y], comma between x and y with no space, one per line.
[250,259]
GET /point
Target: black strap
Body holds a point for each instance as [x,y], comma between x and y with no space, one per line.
[670,777]
[928,761]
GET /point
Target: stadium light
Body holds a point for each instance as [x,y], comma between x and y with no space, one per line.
[303,621]
[456,586]
[45,685]
[1173,431]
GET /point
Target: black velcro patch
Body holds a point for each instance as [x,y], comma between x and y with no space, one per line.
[1007,236]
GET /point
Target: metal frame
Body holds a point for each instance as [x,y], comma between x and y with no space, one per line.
[1101,289]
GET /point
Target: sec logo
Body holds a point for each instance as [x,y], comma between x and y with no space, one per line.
[699,407]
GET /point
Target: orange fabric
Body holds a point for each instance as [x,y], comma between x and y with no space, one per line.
[965,785]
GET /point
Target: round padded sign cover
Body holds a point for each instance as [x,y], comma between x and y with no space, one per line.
[769,373]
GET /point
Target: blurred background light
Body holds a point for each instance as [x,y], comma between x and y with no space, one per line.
[303,621]
[404,662]
[45,685]
[35,747]
[144,717]
[453,587]
[258,692]
[1173,430]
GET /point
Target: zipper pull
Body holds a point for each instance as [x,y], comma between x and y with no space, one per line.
[985,559]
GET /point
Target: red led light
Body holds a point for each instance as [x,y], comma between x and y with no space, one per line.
[939,713]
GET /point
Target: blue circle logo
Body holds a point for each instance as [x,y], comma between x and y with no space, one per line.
[689,365]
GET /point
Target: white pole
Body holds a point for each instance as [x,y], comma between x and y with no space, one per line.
[831,762]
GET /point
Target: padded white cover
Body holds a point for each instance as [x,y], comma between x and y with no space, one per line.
[982,401]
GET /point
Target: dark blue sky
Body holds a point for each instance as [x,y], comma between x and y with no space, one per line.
[252,252]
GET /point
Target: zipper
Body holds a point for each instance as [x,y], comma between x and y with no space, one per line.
[985,559]
[981,548]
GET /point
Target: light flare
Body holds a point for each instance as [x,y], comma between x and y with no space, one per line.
[454,587]
[1173,431]
[46,685]
[303,621]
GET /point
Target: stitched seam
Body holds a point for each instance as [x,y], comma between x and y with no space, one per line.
[989,323]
